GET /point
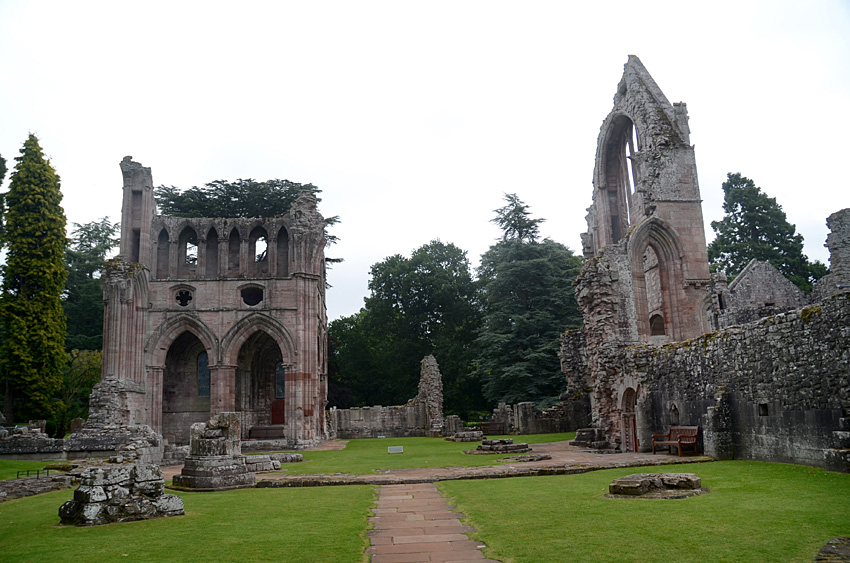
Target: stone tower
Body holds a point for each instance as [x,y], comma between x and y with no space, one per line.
[645,226]
[211,315]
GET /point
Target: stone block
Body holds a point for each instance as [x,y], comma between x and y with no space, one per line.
[680,481]
[87,493]
[637,484]
[102,504]
[147,472]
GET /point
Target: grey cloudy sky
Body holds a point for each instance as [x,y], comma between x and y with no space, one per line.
[414,118]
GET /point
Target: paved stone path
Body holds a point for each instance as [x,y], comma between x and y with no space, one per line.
[414,523]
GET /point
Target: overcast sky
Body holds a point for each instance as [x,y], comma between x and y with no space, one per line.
[414,118]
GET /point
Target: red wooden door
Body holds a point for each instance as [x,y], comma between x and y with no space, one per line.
[279,411]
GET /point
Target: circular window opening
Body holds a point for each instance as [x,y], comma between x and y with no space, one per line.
[183,297]
[252,295]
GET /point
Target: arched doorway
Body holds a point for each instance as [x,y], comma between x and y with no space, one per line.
[628,429]
[260,387]
[185,388]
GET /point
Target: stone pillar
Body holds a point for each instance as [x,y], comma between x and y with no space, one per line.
[717,428]
[222,389]
[431,393]
[155,374]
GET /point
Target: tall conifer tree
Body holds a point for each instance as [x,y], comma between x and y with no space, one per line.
[32,352]
[755,227]
[529,300]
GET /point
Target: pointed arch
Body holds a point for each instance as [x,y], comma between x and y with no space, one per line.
[211,256]
[165,334]
[655,252]
[247,327]
[187,252]
[162,251]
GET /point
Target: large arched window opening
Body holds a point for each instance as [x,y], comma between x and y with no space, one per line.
[258,251]
[282,253]
[162,255]
[233,248]
[211,255]
[654,292]
[187,254]
[620,180]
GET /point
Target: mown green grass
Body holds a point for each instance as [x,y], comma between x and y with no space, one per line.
[755,512]
[366,456]
[9,468]
[293,525]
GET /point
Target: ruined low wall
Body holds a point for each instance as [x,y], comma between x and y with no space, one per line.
[775,390]
[371,422]
[526,418]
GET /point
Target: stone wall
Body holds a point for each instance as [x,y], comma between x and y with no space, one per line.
[776,390]
[759,291]
[526,418]
[371,422]
[421,416]
[838,242]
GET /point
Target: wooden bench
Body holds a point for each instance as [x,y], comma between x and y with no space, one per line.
[680,436]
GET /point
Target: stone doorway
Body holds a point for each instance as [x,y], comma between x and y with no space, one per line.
[628,431]
[185,387]
[260,388]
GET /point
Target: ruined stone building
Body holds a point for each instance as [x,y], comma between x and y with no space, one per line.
[774,389]
[211,315]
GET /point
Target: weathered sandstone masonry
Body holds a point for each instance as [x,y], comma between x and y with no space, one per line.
[421,416]
[777,389]
[773,383]
[211,315]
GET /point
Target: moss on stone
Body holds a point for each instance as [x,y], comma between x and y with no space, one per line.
[807,314]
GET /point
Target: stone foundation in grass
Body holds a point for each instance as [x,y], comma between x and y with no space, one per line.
[656,486]
[120,494]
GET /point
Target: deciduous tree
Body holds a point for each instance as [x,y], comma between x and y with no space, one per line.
[32,352]
[425,304]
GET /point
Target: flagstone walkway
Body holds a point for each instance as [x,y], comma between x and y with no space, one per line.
[414,523]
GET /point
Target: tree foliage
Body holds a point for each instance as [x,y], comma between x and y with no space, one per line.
[81,373]
[32,352]
[515,221]
[425,304]
[242,198]
[529,300]
[83,297]
[755,227]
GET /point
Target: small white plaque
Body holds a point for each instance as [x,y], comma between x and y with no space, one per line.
[395,450]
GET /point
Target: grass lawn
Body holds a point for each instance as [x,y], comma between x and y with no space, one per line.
[9,468]
[755,512]
[365,456]
[309,524]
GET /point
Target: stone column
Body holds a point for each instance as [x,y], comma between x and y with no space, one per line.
[154,417]
[222,389]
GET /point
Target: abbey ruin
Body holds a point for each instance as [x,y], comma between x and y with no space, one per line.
[663,341]
[210,315]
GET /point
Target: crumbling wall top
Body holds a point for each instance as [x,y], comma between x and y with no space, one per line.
[136,175]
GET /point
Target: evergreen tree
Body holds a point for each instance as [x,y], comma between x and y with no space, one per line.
[83,297]
[32,353]
[755,227]
[529,300]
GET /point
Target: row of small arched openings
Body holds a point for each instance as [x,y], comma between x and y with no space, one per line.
[213,255]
